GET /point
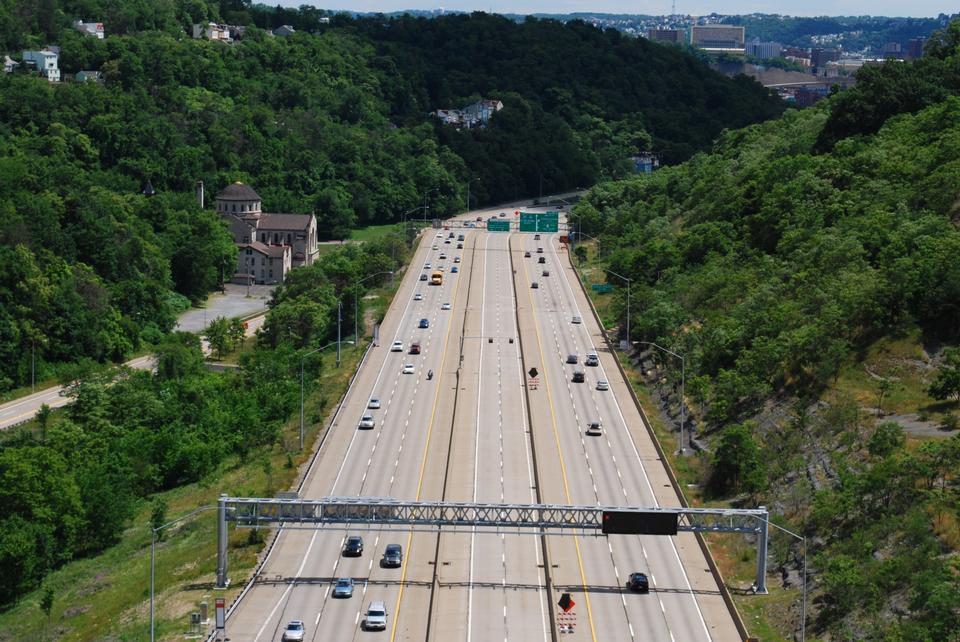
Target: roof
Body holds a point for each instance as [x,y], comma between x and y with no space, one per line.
[276,251]
[238,192]
[290,222]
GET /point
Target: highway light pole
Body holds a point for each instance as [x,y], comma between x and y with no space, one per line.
[425,208]
[153,556]
[468,190]
[803,595]
[356,303]
[683,370]
[302,357]
[593,238]
[629,281]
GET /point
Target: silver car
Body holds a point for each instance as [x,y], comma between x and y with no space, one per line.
[376,618]
[366,421]
[603,385]
[343,587]
[294,631]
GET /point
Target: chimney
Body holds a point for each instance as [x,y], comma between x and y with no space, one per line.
[200,193]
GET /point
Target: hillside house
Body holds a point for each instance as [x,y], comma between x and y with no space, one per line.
[94,29]
[45,62]
[477,114]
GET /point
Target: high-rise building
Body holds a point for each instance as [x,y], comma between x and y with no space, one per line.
[721,38]
[820,57]
[764,50]
[675,36]
[915,48]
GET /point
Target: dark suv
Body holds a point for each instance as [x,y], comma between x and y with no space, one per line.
[392,556]
[578,376]
[638,582]
[353,547]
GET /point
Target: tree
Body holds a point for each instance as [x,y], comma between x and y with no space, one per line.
[947,382]
[886,439]
[217,335]
[158,516]
[43,418]
[46,601]
[737,464]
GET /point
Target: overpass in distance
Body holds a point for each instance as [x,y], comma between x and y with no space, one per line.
[484,431]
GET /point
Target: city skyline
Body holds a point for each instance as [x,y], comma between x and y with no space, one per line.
[888,8]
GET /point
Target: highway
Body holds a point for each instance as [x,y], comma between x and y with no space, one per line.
[468,434]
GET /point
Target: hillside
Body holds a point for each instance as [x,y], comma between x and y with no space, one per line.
[807,270]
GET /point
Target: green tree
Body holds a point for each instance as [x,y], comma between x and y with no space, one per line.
[218,335]
[737,464]
[886,439]
[946,384]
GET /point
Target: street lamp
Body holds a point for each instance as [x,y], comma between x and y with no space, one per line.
[593,238]
[629,281]
[683,369]
[302,357]
[803,598]
[425,208]
[356,303]
[477,178]
[153,555]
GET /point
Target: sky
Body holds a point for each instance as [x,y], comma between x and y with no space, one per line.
[917,8]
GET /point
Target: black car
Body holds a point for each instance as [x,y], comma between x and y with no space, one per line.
[353,547]
[424,323]
[423,277]
[392,556]
[571,358]
[578,376]
[638,582]
[542,259]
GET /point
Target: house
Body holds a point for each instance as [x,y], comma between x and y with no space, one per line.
[88,76]
[90,28]
[284,31]
[45,62]
[270,244]
[477,114]
[212,31]
[9,64]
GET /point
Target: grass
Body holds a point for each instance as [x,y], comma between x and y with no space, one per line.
[106,596]
[374,232]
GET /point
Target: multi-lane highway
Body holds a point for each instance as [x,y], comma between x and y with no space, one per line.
[481,430]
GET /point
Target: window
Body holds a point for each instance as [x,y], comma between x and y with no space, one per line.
[249,251]
[288,239]
[234,207]
[263,238]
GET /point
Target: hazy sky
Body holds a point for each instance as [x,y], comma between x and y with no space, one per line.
[918,8]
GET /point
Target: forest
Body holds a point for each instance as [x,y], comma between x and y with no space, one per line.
[772,263]
[333,120]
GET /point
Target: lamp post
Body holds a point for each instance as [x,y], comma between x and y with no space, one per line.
[425,208]
[468,190]
[302,357]
[683,369]
[404,221]
[593,238]
[803,596]
[153,555]
[629,281]
[356,303]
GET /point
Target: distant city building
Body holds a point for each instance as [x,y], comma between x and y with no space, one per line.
[807,97]
[674,36]
[819,57]
[91,28]
[477,114]
[892,50]
[45,62]
[88,76]
[764,50]
[718,38]
[269,244]
[915,48]
[284,30]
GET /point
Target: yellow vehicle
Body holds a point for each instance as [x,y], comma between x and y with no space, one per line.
[436,278]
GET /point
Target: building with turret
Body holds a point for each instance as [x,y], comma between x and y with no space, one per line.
[270,244]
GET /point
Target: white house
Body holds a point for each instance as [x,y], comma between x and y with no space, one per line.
[45,62]
[284,30]
[212,31]
[91,28]
[9,64]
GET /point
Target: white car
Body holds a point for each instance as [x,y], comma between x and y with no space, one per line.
[442,255]
[603,385]
[397,346]
[445,306]
[376,618]
[294,631]
[435,247]
[418,297]
[374,403]
[456,259]
[427,265]
[408,368]
[594,429]
[366,421]
[576,320]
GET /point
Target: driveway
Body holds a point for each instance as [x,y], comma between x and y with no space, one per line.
[233,303]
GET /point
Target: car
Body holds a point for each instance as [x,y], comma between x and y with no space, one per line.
[578,376]
[503,214]
[366,422]
[407,368]
[576,319]
[638,582]
[546,273]
[440,268]
[397,346]
[445,306]
[374,403]
[571,358]
[353,546]
[592,360]
[415,347]
[542,259]
[456,259]
[376,617]
[459,246]
[526,254]
[461,237]
[423,277]
[454,269]
[439,235]
[539,250]
[424,323]
[535,285]
[447,242]
[435,246]
[451,235]
[442,255]
[536,237]
[294,631]
[343,587]
[594,429]
[427,265]
[480,218]
[392,556]
[418,296]
[603,385]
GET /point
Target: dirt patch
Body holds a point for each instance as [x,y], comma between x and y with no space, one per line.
[915,427]
[74,611]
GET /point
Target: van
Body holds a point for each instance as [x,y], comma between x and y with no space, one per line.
[376,618]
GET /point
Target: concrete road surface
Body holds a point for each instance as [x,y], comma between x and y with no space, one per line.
[468,435]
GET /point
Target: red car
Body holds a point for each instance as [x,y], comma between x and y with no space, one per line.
[415,347]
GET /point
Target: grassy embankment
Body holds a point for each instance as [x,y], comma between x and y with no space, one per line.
[106,596]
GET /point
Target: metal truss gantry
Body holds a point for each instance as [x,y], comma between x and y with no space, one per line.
[552,519]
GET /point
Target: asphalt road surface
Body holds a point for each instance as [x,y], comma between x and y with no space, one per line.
[465,436]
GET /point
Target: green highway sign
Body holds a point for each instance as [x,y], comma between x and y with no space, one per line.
[495,225]
[601,288]
[534,222]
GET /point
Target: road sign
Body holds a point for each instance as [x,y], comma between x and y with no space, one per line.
[533,373]
[566,602]
[495,225]
[601,288]
[534,222]
[220,607]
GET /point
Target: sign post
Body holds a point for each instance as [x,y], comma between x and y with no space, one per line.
[220,609]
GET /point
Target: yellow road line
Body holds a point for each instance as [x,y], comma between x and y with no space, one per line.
[556,436]
[426,448]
